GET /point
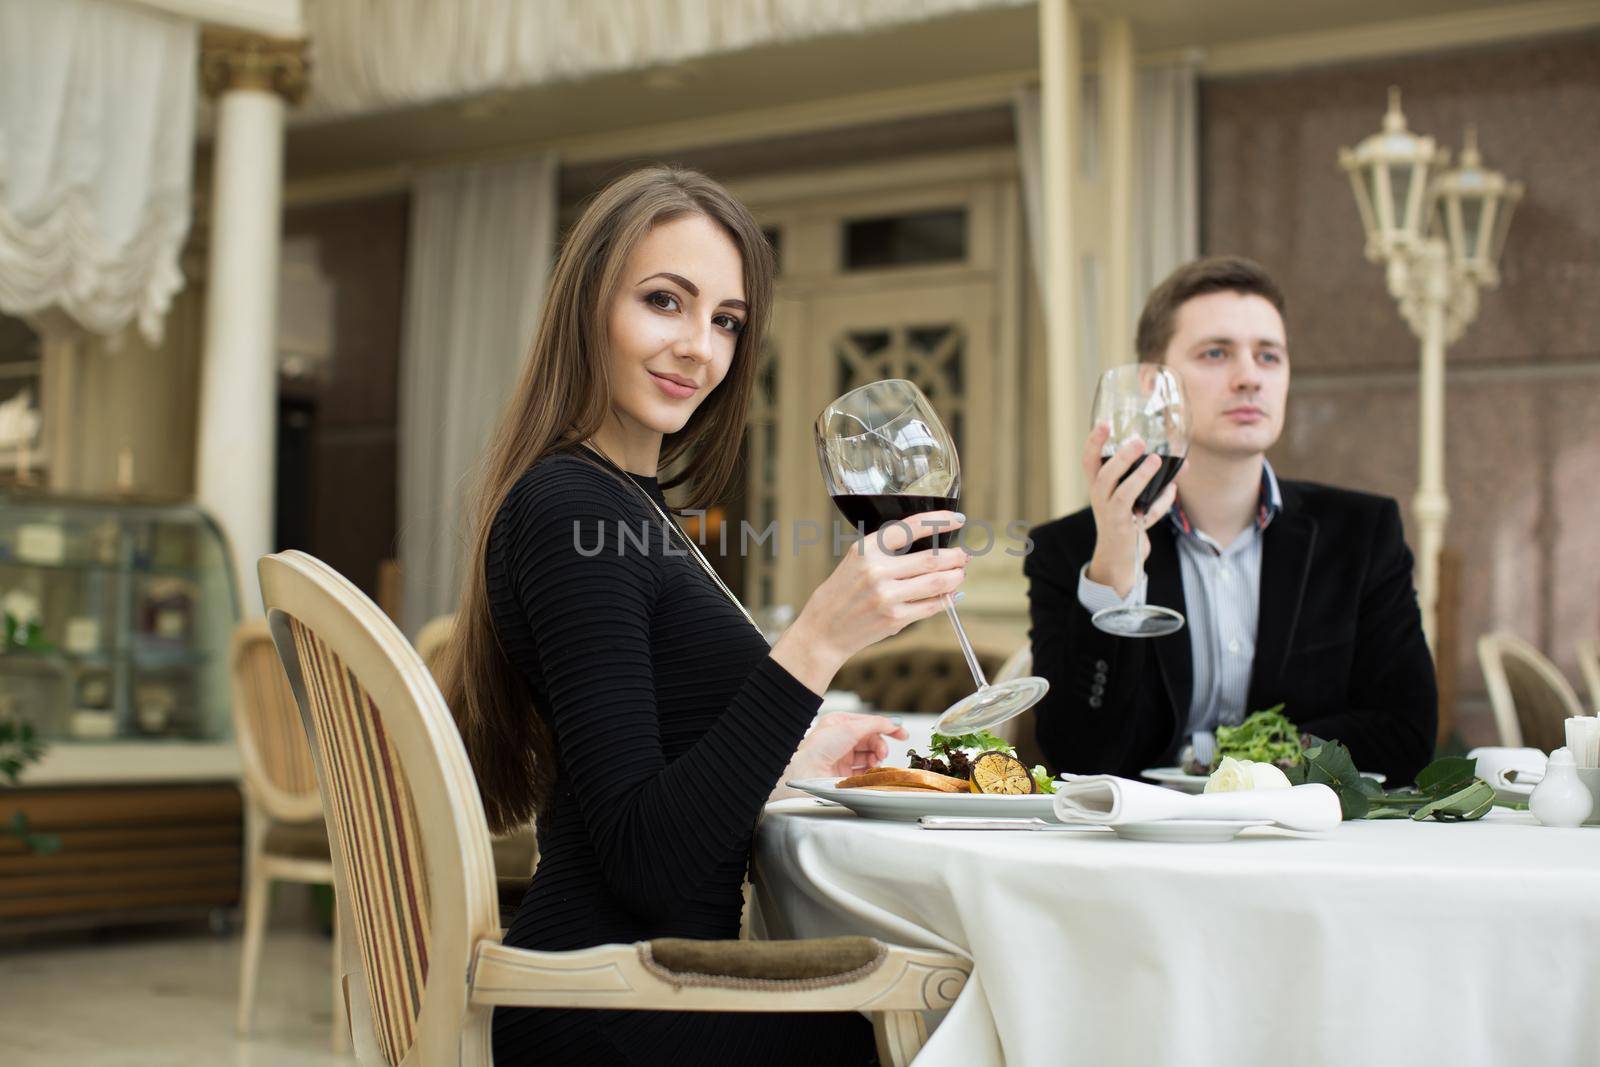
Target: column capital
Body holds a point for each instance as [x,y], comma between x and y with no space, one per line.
[232,59]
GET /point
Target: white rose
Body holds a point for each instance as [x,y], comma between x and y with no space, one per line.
[1231,776]
[1267,775]
[1236,775]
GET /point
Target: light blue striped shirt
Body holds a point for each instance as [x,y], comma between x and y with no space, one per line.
[1222,603]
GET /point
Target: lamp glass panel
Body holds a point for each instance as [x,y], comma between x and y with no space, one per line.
[1400,177]
[1471,226]
[1502,224]
[1381,206]
[1437,224]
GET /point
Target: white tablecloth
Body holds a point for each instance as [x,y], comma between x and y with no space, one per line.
[1381,942]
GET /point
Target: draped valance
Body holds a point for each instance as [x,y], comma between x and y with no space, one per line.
[97,105]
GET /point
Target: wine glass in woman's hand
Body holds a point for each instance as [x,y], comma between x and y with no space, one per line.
[885,457]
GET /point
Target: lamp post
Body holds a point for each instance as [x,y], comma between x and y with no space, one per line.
[1439,233]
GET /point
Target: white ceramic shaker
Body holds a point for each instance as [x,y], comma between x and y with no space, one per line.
[1561,799]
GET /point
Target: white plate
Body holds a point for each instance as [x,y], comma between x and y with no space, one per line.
[1186,830]
[1184,782]
[909,807]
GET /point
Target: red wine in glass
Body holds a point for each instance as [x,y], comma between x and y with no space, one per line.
[886,456]
[870,513]
[1168,471]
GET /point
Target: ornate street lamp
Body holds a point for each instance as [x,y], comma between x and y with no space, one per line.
[1472,210]
[1439,232]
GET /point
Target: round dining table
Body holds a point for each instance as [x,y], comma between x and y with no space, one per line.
[1379,942]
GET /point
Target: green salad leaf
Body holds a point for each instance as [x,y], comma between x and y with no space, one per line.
[1264,737]
[1042,780]
[982,740]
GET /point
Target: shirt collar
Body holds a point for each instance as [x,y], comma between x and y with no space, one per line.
[1269,503]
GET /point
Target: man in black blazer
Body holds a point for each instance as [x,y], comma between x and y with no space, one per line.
[1294,593]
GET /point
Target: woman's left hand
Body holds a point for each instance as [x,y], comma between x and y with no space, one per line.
[842,743]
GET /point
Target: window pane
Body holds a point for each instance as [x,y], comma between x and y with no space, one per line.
[906,240]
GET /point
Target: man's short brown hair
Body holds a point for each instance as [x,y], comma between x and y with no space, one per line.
[1214,274]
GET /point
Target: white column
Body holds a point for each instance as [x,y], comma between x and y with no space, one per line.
[235,455]
[1118,108]
[1067,417]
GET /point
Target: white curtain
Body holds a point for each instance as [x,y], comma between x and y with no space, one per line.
[97,105]
[481,244]
[1166,217]
[370,54]
[1166,230]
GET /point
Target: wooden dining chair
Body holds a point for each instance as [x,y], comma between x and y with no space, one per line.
[517,851]
[1589,664]
[1530,697]
[285,840]
[415,885]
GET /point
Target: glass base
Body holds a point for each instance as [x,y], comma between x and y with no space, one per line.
[1142,620]
[992,705]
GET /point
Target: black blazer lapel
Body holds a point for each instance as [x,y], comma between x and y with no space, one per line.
[1286,548]
[1172,652]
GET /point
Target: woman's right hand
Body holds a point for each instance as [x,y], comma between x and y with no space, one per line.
[1113,563]
[872,594]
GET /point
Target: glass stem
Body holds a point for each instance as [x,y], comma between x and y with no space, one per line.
[1138,554]
[966,645]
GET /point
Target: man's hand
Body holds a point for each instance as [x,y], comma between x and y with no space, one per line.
[1113,563]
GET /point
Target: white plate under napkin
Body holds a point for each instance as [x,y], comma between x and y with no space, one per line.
[1111,801]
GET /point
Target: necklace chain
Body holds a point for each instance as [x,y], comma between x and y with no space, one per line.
[699,556]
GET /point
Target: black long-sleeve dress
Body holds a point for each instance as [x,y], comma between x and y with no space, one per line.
[672,724]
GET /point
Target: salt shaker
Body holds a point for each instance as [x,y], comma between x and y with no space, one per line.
[1561,799]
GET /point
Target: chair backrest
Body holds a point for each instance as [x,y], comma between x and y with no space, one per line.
[279,775]
[1531,699]
[432,638]
[1020,731]
[1017,665]
[918,678]
[1589,664]
[412,863]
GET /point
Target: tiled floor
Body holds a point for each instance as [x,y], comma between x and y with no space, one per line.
[160,997]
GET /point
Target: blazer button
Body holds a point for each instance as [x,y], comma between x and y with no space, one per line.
[1100,679]
[1102,666]
[1094,702]
[1096,690]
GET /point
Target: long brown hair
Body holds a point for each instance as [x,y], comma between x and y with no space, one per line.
[561,399]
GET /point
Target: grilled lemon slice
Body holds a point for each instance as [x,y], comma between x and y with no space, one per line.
[996,772]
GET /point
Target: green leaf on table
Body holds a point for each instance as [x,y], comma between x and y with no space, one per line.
[1387,811]
[1329,763]
[1471,801]
[1446,775]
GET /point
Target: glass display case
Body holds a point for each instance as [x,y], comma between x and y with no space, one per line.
[116,619]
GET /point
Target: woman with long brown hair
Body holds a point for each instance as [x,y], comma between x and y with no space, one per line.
[602,677]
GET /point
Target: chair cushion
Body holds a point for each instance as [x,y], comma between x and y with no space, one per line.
[814,963]
[299,840]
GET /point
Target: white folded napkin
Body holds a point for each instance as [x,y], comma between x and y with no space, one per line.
[1112,801]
